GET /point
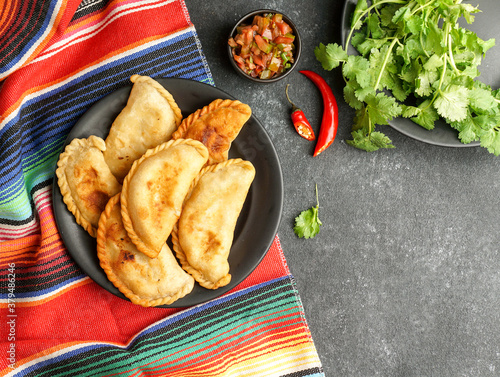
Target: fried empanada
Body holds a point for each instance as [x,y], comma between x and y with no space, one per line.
[85,181]
[144,281]
[154,190]
[216,126]
[149,119]
[203,237]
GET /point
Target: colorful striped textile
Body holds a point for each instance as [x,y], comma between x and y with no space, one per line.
[258,331]
[57,58]
[26,27]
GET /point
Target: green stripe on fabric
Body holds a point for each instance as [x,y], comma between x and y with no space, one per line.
[35,173]
[17,204]
[31,161]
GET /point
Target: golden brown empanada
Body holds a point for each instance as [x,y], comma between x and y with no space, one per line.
[154,190]
[149,119]
[145,281]
[204,234]
[85,181]
[216,126]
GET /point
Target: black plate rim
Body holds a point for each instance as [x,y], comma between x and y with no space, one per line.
[186,301]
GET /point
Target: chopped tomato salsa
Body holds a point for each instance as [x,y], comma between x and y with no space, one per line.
[265,48]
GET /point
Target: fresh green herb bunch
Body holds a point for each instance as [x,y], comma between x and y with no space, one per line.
[417,50]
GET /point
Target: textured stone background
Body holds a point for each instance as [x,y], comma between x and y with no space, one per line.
[404,277]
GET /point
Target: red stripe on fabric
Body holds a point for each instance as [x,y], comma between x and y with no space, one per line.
[16,247]
[94,18]
[70,317]
[271,267]
[44,351]
[104,42]
[44,195]
[116,36]
[218,364]
[104,25]
[35,249]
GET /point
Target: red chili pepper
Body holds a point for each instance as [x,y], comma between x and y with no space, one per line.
[300,122]
[330,120]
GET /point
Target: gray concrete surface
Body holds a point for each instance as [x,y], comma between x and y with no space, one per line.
[404,276]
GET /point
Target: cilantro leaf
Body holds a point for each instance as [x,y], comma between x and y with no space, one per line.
[307,224]
[357,68]
[350,95]
[369,143]
[452,102]
[373,22]
[330,56]
[482,101]
[468,130]
[427,115]
[382,108]
[424,81]
[361,7]
[491,141]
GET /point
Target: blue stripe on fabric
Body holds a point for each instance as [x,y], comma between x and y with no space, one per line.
[22,295]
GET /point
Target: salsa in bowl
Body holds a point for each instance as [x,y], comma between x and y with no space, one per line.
[264,46]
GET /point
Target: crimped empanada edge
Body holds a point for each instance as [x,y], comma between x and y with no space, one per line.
[214,105]
[196,274]
[179,252]
[62,179]
[106,266]
[127,221]
[164,93]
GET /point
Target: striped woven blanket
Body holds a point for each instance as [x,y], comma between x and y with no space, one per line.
[57,58]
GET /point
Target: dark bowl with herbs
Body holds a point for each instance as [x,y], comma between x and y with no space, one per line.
[264,46]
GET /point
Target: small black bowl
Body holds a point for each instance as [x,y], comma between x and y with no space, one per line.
[247,19]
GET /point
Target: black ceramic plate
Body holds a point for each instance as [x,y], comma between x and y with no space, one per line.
[486,26]
[260,216]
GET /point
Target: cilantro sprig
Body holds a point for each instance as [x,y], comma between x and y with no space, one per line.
[416,51]
[307,224]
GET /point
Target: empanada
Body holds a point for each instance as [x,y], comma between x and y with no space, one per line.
[145,281]
[149,119]
[203,237]
[154,190]
[216,126]
[85,181]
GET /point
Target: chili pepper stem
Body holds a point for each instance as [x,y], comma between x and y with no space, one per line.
[317,198]
[294,107]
